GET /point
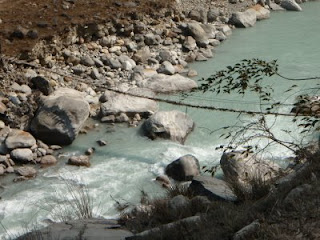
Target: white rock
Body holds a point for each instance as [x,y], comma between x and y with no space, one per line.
[173,125]
[290,5]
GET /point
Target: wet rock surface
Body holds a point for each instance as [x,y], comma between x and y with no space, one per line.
[173,125]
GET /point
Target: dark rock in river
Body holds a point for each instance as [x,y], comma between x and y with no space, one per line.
[184,168]
[60,117]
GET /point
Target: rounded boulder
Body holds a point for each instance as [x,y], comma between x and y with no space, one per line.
[173,125]
[184,168]
[60,117]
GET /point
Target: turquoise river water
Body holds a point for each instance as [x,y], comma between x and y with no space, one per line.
[130,162]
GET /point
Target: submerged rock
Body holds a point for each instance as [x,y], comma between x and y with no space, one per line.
[173,125]
[60,117]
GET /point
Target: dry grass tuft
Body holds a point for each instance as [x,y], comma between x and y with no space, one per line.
[75,203]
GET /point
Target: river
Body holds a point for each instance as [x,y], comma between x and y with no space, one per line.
[130,162]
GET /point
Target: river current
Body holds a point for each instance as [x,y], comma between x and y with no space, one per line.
[130,162]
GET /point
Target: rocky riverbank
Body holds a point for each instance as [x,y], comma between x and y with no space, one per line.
[133,55]
[138,55]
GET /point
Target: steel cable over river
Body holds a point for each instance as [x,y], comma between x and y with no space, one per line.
[159,99]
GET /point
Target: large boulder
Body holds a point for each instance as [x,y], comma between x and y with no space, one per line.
[244,19]
[290,5]
[173,125]
[212,188]
[117,103]
[197,32]
[242,167]
[60,116]
[161,83]
[19,139]
[184,168]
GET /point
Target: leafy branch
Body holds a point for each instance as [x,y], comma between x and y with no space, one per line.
[249,76]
